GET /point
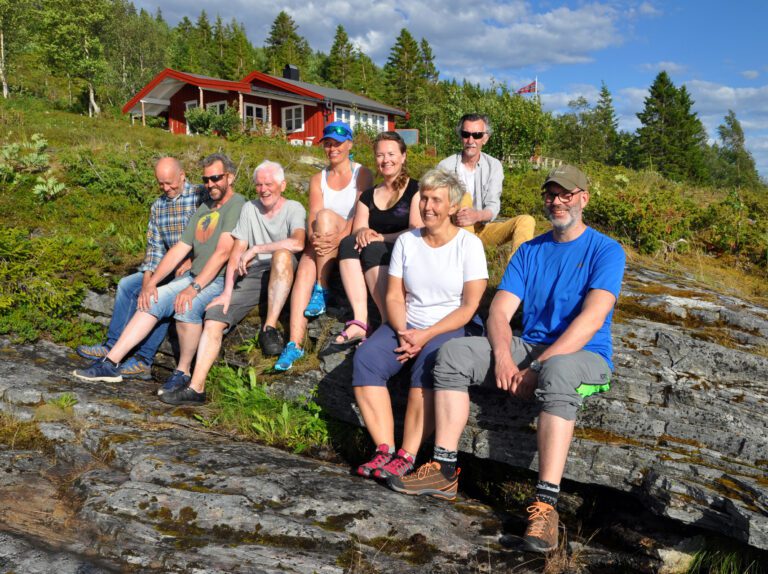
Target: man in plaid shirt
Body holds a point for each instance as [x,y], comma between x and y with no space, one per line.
[168,216]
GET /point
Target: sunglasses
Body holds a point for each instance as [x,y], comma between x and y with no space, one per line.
[475,135]
[338,130]
[213,178]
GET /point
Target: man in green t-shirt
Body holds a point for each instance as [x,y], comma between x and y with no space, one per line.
[208,239]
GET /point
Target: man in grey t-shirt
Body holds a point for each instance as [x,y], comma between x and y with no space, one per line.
[270,233]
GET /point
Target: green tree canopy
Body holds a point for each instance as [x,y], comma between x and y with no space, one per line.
[284,45]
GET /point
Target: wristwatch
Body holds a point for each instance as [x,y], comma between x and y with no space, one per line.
[196,286]
[535,366]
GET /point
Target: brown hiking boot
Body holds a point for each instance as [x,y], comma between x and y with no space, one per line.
[541,533]
[427,479]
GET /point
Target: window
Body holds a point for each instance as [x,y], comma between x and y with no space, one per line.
[355,118]
[254,115]
[293,119]
[218,107]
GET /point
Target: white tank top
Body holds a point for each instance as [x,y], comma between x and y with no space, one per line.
[340,201]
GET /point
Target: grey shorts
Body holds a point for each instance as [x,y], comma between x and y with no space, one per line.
[248,292]
[564,380]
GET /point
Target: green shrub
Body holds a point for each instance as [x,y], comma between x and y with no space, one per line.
[211,122]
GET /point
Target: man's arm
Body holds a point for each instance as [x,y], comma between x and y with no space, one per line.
[503,307]
[210,271]
[229,276]
[155,249]
[597,304]
[172,258]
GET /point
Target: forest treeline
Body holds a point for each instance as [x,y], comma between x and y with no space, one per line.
[85,55]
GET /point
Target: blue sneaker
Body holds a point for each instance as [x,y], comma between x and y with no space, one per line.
[317,302]
[177,380]
[135,368]
[100,370]
[92,352]
[290,354]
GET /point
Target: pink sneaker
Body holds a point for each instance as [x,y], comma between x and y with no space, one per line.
[383,455]
[400,465]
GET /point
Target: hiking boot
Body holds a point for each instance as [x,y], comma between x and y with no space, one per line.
[101,370]
[290,354]
[428,479]
[92,352]
[382,457]
[317,303]
[177,380]
[270,341]
[136,368]
[541,533]
[183,396]
[400,465]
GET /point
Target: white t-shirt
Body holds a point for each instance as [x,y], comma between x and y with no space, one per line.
[468,177]
[434,277]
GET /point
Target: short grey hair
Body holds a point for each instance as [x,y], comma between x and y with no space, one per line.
[229,165]
[474,117]
[277,170]
[439,178]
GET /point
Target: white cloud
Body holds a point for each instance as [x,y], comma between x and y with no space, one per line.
[750,74]
[648,9]
[670,67]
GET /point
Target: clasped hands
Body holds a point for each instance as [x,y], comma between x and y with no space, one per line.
[411,342]
[518,383]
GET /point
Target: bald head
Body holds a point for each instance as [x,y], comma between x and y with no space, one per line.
[170,176]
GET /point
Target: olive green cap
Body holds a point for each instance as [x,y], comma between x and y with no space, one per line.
[567,176]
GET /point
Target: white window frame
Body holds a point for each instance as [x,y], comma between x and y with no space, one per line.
[292,119]
[366,118]
[217,105]
[250,122]
[188,106]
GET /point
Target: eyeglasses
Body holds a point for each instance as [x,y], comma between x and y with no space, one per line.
[338,130]
[213,178]
[565,196]
[475,135]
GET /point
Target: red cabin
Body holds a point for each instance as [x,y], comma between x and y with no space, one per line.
[298,108]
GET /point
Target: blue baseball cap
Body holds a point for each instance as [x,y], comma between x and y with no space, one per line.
[339,131]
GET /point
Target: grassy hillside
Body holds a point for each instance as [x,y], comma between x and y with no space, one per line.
[75,200]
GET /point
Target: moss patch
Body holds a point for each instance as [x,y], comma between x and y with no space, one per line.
[339,522]
[23,435]
[415,549]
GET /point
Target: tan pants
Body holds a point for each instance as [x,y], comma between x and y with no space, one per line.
[516,230]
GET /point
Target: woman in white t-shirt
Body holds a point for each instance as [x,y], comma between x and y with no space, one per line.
[333,195]
[437,275]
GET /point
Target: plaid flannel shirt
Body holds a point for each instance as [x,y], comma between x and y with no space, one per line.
[167,220]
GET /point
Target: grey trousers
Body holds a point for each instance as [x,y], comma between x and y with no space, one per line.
[564,380]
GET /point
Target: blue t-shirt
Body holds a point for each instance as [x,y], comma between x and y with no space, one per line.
[553,279]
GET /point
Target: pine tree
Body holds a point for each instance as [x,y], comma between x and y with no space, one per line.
[404,71]
[341,60]
[428,68]
[285,46]
[671,139]
[606,124]
[738,164]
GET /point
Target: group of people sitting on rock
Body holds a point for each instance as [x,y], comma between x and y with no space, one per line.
[418,249]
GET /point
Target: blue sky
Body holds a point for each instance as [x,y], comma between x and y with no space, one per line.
[718,50]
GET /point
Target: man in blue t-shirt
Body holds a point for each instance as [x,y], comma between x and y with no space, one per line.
[569,279]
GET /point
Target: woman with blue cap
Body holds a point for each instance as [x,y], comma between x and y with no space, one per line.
[333,195]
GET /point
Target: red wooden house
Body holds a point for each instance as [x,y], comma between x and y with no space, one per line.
[300,109]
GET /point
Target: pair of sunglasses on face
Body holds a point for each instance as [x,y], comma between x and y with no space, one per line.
[213,178]
[474,135]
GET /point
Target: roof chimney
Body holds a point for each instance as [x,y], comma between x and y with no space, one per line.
[291,72]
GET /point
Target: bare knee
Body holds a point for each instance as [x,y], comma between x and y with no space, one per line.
[282,263]
[326,221]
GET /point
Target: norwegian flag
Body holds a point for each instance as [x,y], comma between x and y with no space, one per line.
[529,89]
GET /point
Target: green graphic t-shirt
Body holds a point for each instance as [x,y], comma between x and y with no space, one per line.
[206,226]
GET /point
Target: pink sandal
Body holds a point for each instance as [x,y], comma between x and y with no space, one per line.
[337,347]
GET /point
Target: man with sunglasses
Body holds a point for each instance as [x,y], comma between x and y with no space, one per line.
[569,280]
[169,215]
[207,237]
[482,176]
[267,239]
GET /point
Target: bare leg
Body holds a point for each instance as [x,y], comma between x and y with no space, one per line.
[134,333]
[189,338]
[451,414]
[280,281]
[207,353]
[419,419]
[302,290]
[376,279]
[554,439]
[327,222]
[376,408]
[354,287]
